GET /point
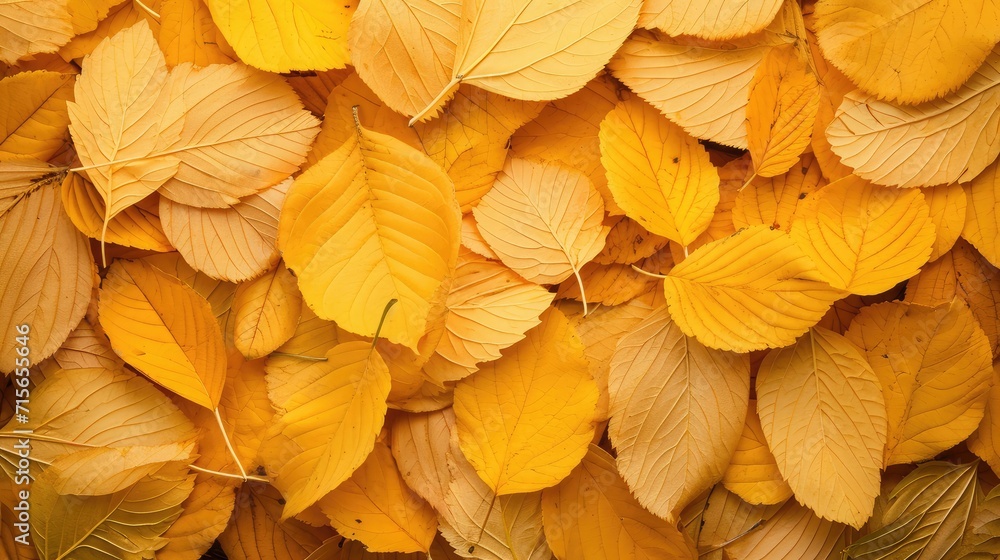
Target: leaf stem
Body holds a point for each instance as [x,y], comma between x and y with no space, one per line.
[228,475]
[648,273]
[300,356]
[229,444]
[381,321]
[583,295]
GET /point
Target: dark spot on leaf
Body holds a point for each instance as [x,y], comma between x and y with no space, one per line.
[802,195]
[471,548]
[281,501]
[357,521]
[886,356]
[677,160]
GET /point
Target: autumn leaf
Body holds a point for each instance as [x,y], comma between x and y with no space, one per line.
[35,27]
[34,119]
[718,19]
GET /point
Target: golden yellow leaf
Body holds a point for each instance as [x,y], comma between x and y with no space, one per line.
[246,409]
[715,19]
[120,134]
[908,53]
[87,13]
[376,507]
[377,210]
[718,518]
[405,50]
[524,421]
[752,473]
[19,176]
[136,226]
[473,240]
[611,284]
[566,132]
[420,445]
[470,139]
[46,276]
[628,242]
[948,140]
[92,408]
[91,527]
[600,330]
[204,515]
[510,49]
[314,88]
[753,290]
[106,470]
[833,85]
[935,284]
[302,356]
[934,365]
[267,312]
[188,34]
[510,530]
[659,175]
[86,347]
[33,119]
[258,533]
[773,200]
[543,220]
[489,308]
[339,117]
[864,238]
[980,227]
[822,412]
[985,441]
[326,424]
[591,515]
[259,32]
[926,514]
[978,284]
[948,204]
[244,130]
[236,243]
[781,111]
[792,532]
[33,27]
[119,18]
[218,293]
[164,329]
[677,411]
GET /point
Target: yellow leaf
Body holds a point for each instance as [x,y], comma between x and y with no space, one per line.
[236,243]
[313,88]
[926,515]
[472,239]
[677,411]
[267,312]
[752,473]
[405,50]
[326,424]
[106,470]
[136,226]
[372,113]
[611,284]
[420,444]
[543,220]
[33,119]
[244,130]
[948,204]
[948,140]
[510,530]
[937,283]
[376,507]
[46,275]
[980,227]
[720,517]
[489,308]
[87,13]
[628,242]
[781,111]
[753,290]
[715,19]
[591,515]
[258,31]
[509,48]
[90,527]
[822,412]
[258,533]
[833,86]
[33,27]
[659,175]
[85,347]
[21,175]
[378,211]
[935,368]
[119,18]
[566,132]
[908,53]
[524,421]
[118,134]
[94,408]
[792,532]
[864,238]
[165,330]
[773,200]
[188,34]
[978,284]
[470,139]
[218,293]
[985,441]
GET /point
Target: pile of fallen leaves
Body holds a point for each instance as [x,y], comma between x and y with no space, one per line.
[499,279]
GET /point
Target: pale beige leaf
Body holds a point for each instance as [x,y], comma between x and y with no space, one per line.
[793,532]
[420,444]
[267,311]
[713,19]
[29,27]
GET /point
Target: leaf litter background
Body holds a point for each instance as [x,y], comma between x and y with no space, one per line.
[672,279]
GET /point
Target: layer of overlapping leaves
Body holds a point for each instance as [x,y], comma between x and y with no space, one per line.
[513,279]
